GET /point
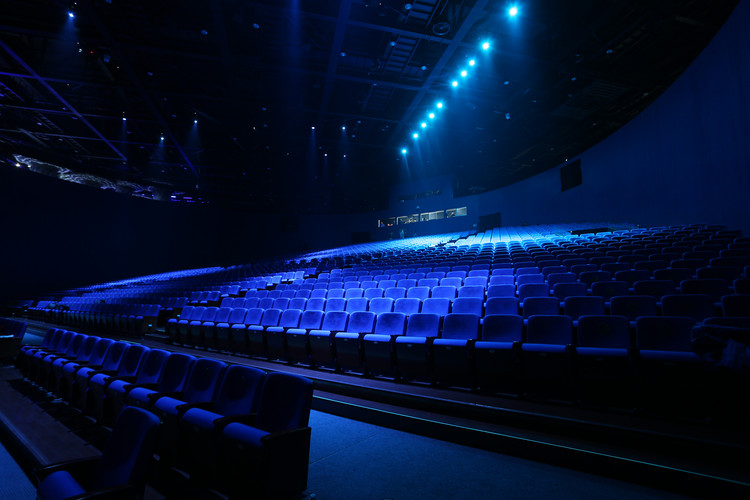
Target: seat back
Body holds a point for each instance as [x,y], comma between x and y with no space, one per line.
[175,372]
[129,449]
[239,391]
[151,366]
[460,326]
[604,331]
[203,379]
[390,323]
[502,328]
[131,360]
[285,402]
[423,325]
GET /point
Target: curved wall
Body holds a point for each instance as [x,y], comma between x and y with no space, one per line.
[685,159]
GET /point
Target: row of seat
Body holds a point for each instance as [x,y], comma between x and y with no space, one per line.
[210,413]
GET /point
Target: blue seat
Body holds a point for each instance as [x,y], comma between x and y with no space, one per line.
[696,306]
[238,331]
[557,278]
[411,348]
[256,334]
[200,388]
[716,288]
[468,305]
[83,355]
[562,291]
[353,293]
[99,380]
[67,382]
[443,292]
[381,305]
[347,344]
[496,354]
[276,335]
[532,290]
[590,277]
[356,304]
[439,306]
[418,292]
[502,305]
[507,290]
[631,276]
[407,306]
[602,351]
[373,293]
[633,306]
[116,390]
[395,292]
[336,304]
[222,330]
[297,342]
[237,398]
[377,347]
[321,340]
[736,305]
[172,379]
[208,328]
[269,455]
[451,351]
[502,280]
[575,307]
[545,352]
[523,279]
[655,288]
[664,351]
[120,470]
[540,305]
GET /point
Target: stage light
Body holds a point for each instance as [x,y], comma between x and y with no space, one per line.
[454,83]
[439,105]
[195,121]
[124,119]
[472,62]
[161,138]
[343,128]
[404,151]
[312,128]
[486,46]
[431,116]
[71,14]
[464,73]
[415,135]
[513,11]
[424,125]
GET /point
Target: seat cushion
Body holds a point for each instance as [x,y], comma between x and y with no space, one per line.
[59,485]
[244,435]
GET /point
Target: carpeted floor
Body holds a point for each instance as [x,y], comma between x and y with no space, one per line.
[351,460]
[14,485]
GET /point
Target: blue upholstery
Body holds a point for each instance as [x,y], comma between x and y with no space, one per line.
[411,348]
[545,351]
[98,382]
[696,306]
[269,457]
[122,465]
[451,362]
[633,306]
[576,307]
[173,375]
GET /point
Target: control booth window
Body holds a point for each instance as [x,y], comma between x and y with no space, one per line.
[456,212]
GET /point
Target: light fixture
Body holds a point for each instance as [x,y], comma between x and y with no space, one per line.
[195,121]
[71,14]
[486,46]
[454,83]
[312,128]
[404,151]
[343,128]
[513,11]
[424,125]
[431,116]
[415,135]
[464,73]
[472,62]
[439,105]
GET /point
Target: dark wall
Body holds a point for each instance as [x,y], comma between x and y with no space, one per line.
[685,159]
[58,234]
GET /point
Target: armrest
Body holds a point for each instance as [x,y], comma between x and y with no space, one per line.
[103,372]
[76,467]
[247,419]
[150,385]
[153,397]
[122,492]
[127,378]
[204,405]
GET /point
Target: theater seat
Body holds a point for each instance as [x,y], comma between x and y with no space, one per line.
[120,471]
[497,353]
[268,457]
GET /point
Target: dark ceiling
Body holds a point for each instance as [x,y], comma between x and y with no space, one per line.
[258,75]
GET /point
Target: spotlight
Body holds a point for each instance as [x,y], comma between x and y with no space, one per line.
[71,14]
[195,121]
[464,73]
[343,128]
[513,11]
[161,138]
[312,128]
[124,119]
[454,83]
[439,105]
[404,151]
[472,62]
[424,125]
[486,46]
[432,116]
[415,135]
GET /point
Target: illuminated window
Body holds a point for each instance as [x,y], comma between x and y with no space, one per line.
[440,214]
[455,212]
